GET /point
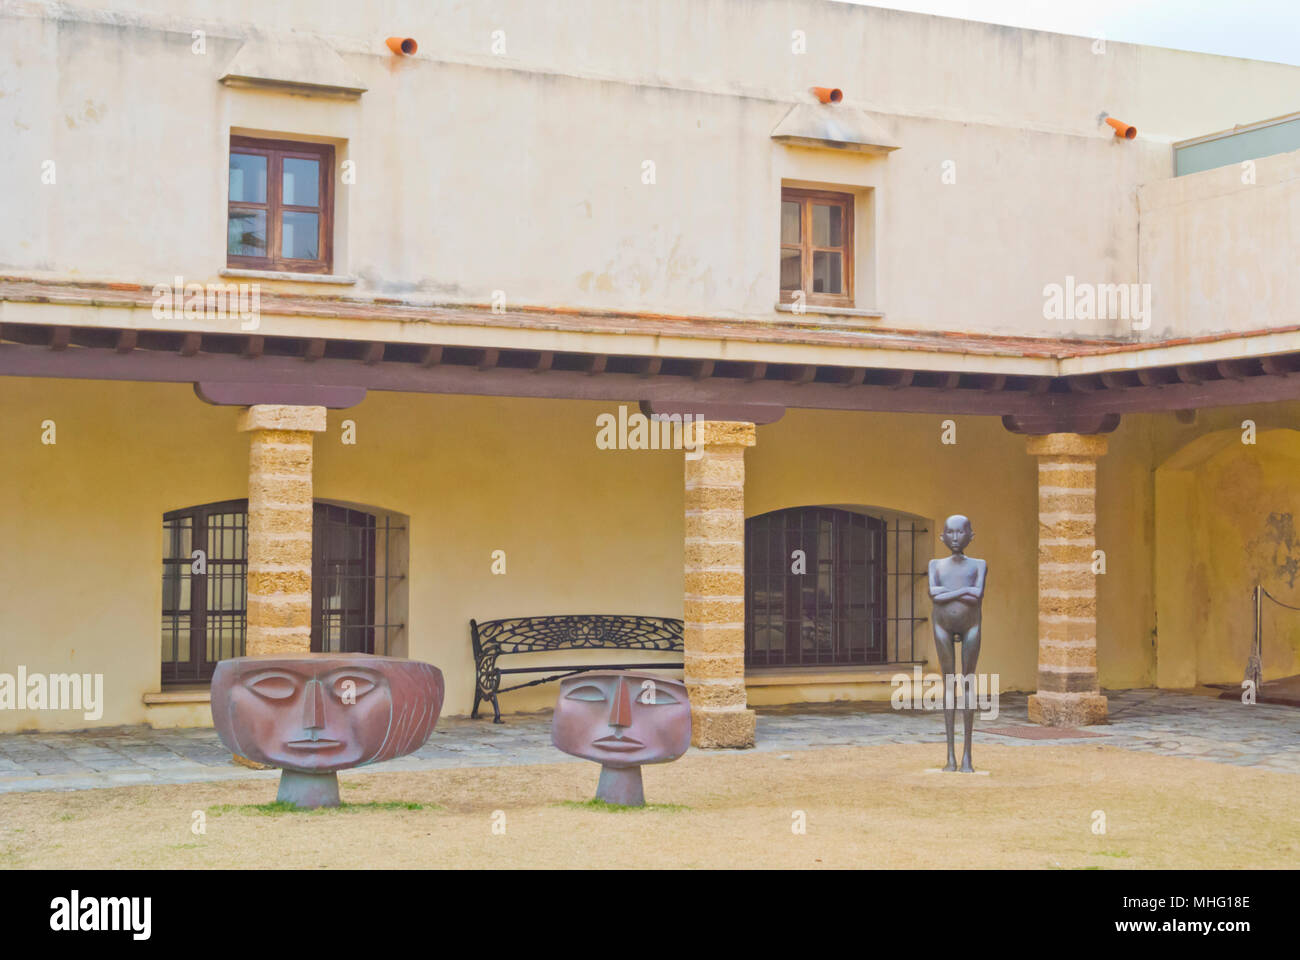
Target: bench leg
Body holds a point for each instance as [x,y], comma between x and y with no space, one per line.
[496,710]
[478,698]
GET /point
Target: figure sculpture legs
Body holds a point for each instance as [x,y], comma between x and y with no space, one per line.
[970,652]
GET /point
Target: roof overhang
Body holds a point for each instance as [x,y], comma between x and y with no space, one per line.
[317,344]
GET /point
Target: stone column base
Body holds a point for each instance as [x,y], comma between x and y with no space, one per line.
[714,729]
[1067,709]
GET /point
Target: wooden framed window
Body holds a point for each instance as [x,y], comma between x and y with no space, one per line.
[281,206]
[817,247]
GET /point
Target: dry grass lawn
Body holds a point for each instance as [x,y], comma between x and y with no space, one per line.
[864,806]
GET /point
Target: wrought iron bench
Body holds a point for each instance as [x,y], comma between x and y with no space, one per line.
[497,638]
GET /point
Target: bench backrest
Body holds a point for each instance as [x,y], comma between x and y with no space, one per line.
[575,632]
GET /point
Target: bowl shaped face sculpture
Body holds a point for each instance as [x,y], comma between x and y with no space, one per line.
[321,712]
[621,718]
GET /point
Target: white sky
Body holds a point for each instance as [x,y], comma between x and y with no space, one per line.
[1255,29]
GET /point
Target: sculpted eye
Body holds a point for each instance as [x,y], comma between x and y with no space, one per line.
[273,687]
[659,696]
[587,692]
[352,686]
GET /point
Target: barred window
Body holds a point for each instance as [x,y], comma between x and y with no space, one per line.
[356,576]
[827,587]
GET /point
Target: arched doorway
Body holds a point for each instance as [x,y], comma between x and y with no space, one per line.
[1226,519]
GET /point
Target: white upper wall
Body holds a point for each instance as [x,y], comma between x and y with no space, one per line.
[523,172]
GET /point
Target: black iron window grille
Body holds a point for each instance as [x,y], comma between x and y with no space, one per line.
[352,581]
[830,587]
[205,562]
[355,573]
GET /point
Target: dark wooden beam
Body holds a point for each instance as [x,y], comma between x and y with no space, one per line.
[374,352]
[432,356]
[253,347]
[296,394]
[545,359]
[489,358]
[757,371]
[1037,424]
[1153,377]
[757,413]
[1234,369]
[856,377]
[651,367]
[1187,373]
[703,369]
[60,337]
[193,341]
[1287,366]
[126,340]
[595,364]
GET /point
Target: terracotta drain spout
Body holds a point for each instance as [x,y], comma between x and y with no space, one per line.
[1122,129]
[828,94]
[403,46]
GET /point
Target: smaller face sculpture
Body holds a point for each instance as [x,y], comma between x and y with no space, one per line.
[957,533]
[317,713]
[620,718]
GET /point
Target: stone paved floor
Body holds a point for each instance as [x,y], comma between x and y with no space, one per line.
[1155,721]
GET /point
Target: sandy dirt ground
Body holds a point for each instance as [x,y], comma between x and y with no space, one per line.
[863,807]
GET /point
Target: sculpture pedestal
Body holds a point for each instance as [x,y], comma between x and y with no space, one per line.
[620,786]
[308,790]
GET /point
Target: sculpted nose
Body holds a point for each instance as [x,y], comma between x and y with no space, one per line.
[314,707]
[620,715]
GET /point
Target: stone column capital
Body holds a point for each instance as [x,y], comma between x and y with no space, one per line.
[274,416]
[722,433]
[1086,445]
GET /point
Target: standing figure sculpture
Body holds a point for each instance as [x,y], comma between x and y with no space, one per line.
[957,590]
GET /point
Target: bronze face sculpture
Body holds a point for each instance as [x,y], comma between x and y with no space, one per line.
[315,714]
[957,592]
[622,719]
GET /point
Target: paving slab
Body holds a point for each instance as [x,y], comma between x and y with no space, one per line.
[1265,736]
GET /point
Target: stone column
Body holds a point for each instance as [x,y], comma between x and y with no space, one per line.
[715,584]
[1068,694]
[279,526]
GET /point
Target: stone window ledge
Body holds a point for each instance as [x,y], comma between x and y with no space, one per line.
[832,311]
[335,278]
[805,676]
[183,694]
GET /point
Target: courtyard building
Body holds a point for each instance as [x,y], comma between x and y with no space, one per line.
[310,342]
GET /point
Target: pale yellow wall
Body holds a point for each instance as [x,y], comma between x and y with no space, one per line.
[522,172]
[1226,513]
[584,530]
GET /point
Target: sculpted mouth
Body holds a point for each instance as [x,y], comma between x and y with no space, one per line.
[314,744]
[617,743]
